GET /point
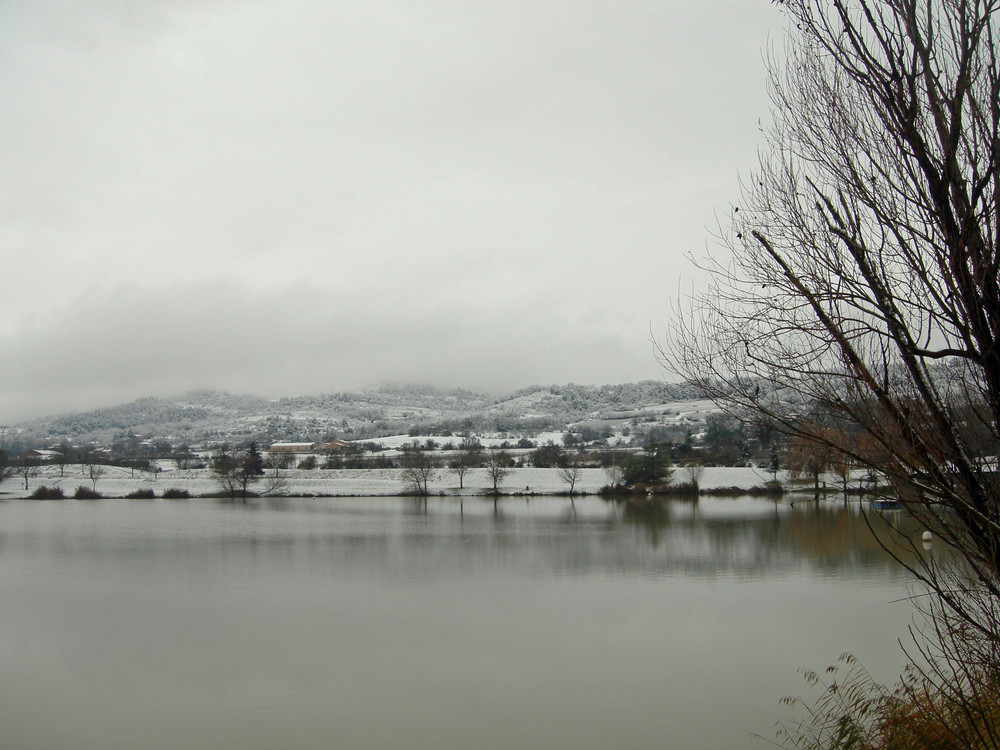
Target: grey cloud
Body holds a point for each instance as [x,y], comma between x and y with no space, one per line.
[282,197]
[131,343]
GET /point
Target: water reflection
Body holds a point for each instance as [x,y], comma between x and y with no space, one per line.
[743,536]
[393,622]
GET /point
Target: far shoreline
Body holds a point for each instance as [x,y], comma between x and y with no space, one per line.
[120,483]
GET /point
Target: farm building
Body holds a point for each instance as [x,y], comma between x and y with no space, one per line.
[292,448]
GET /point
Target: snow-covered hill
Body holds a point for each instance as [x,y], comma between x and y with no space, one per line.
[209,416]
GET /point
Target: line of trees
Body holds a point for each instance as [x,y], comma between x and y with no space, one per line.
[27,467]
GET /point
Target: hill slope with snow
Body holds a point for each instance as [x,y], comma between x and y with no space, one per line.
[205,416]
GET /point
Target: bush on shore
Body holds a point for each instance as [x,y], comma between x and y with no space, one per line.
[47,493]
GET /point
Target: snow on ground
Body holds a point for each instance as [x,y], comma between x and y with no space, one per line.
[555,437]
[397,442]
[118,482]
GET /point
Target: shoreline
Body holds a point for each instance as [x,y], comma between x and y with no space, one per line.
[119,482]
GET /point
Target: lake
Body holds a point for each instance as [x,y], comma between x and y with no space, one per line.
[391,623]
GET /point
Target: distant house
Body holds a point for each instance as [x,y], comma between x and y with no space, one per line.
[292,448]
[44,455]
[334,446]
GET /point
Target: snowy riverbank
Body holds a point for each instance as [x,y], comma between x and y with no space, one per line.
[119,482]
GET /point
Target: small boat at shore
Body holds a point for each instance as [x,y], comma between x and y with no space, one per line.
[885,504]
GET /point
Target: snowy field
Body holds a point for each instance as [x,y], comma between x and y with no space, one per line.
[118,481]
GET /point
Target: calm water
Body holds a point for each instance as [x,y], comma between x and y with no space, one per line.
[381,623]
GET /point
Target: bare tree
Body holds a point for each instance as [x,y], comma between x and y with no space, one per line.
[236,471]
[570,474]
[498,463]
[693,472]
[27,467]
[95,471]
[275,483]
[810,457]
[419,467]
[93,466]
[861,276]
[468,457]
[613,463]
[841,464]
[281,460]
[225,466]
[863,259]
[183,457]
[64,456]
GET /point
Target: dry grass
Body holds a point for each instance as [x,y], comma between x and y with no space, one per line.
[854,712]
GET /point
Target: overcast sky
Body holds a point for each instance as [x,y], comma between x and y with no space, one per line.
[305,196]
